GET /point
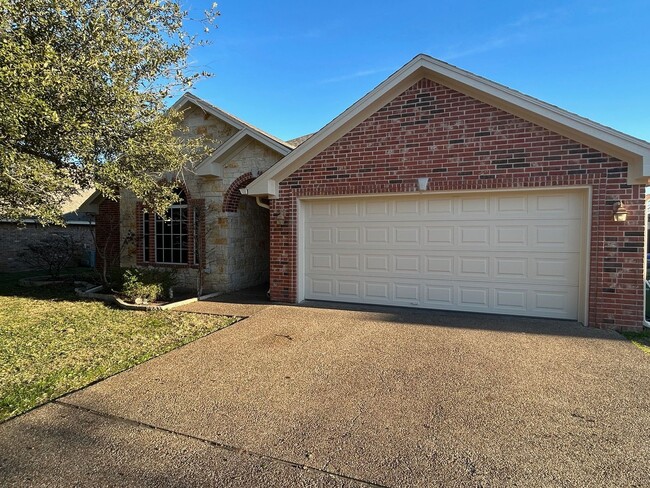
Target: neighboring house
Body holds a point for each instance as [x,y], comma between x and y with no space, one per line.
[15,237]
[439,189]
[515,215]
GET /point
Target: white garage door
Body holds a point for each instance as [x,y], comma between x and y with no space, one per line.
[508,253]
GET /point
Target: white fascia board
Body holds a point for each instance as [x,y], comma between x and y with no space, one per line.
[188,98]
[612,142]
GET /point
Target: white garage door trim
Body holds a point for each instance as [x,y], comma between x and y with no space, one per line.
[584,193]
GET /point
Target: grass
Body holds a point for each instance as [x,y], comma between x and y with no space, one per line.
[52,342]
[640,339]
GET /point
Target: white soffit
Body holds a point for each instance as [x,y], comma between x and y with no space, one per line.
[627,148]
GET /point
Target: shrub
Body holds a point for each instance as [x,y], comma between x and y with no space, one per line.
[51,254]
[134,288]
[148,284]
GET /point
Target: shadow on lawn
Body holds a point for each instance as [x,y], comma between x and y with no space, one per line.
[10,287]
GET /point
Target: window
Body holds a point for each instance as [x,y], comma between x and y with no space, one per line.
[174,238]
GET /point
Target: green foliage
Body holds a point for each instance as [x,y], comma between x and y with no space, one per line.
[134,289]
[84,84]
[147,284]
[53,342]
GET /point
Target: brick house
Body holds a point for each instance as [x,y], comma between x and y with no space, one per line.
[438,189]
[443,190]
[15,237]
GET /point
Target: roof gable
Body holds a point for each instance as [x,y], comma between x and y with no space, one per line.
[622,146]
[244,135]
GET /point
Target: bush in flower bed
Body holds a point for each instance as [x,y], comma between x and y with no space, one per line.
[146,285]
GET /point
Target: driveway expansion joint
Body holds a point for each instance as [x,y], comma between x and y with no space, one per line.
[218,445]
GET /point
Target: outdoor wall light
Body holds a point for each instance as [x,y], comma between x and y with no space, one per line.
[423,183]
[280,218]
[620,212]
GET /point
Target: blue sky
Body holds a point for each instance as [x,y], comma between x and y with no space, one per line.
[289,67]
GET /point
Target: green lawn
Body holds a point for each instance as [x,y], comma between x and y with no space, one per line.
[640,339]
[52,342]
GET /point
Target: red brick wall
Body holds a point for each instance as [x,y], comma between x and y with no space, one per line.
[463,144]
[107,235]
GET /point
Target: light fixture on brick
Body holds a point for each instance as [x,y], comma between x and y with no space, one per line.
[620,212]
[423,183]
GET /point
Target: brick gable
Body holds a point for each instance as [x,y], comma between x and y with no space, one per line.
[461,144]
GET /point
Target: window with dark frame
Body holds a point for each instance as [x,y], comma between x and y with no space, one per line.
[171,233]
[168,239]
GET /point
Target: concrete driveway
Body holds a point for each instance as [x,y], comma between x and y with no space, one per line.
[313,396]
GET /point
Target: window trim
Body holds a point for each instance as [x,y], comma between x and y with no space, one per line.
[195,235]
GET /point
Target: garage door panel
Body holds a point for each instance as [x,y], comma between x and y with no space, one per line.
[498,253]
[439,295]
[348,262]
[556,236]
[474,207]
[320,235]
[512,206]
[376,290]
[376,235]
[407,293]
[473,297]
[406,208]
[442,266]
[406,235]
[376,208]
[320,209]
[406,264]
[321,288]
[473,267]
[511,235]
[473,236]
[511,268]
[440,235]
[511,301]
[344,208]
[439,208]
[347,235]
[558,268]
[320,262]
[377,263]
[348,289]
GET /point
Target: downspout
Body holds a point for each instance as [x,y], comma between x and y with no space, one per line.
[258,200]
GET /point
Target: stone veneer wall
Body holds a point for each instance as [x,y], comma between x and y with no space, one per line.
[236,243]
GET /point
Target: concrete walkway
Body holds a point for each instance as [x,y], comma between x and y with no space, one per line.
[312,396]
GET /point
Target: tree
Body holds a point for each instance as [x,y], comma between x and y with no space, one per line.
[83,87]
